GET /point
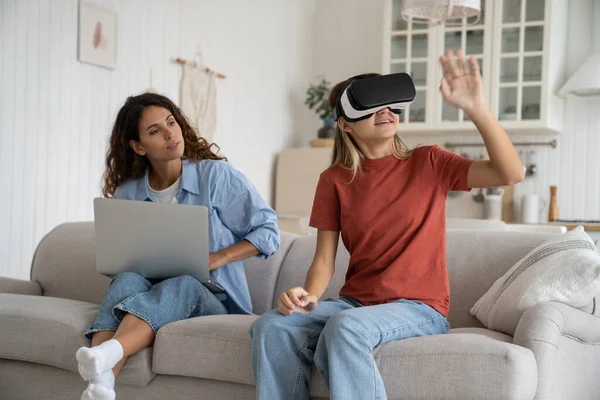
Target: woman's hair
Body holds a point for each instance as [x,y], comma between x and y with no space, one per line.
[345,151]
[122,163]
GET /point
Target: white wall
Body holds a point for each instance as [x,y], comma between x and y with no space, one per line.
[265,49]
[348,38]
[356,30]
[56,113]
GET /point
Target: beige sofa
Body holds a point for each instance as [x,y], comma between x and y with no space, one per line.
[555,352]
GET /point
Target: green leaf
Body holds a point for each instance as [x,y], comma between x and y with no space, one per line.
[317,99]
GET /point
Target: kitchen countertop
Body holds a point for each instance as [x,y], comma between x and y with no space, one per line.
[570,225]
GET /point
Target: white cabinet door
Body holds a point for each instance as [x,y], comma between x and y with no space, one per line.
[521,48]
[408,48]
[528,65]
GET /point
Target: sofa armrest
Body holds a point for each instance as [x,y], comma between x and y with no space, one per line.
[542,328]
[19,286]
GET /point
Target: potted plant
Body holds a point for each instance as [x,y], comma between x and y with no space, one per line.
[316,99]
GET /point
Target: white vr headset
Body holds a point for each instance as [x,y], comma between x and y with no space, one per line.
[367,95]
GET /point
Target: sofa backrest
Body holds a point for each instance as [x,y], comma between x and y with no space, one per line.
[65,266]
[475,260]
[262,275]
[297,262]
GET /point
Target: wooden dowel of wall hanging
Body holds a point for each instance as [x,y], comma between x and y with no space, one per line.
[205,69]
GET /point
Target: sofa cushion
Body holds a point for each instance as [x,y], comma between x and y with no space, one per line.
[467,363]
[565,269]
[442,366]
[210,347]
[49,330]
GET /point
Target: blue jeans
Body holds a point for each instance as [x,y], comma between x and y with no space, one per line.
[156,302]
[339,336]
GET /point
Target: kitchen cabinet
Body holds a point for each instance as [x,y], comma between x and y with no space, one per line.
[410,48]
[520,46]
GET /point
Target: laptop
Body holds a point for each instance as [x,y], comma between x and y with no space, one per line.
[155,240]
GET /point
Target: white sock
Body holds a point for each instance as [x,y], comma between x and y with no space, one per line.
[98,359]
[101,387]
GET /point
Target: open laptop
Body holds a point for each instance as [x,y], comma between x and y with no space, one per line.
[155,240]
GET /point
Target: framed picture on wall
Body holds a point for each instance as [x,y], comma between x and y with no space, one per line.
[97,36]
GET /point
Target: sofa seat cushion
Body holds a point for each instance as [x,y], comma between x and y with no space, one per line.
[211,347]
[468,363]
[49,330]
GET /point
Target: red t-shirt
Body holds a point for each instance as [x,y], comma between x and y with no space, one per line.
[392,218]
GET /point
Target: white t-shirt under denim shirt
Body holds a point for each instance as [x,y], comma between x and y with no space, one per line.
[168,195]
[236,212]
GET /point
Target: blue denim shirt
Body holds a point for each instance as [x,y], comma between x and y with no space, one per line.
[236,212]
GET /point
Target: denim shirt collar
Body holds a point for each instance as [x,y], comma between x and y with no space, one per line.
[189,181]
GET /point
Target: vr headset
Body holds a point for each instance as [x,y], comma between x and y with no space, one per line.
[366,96]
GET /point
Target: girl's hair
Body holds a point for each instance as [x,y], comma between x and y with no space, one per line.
[345,151]
[123,164]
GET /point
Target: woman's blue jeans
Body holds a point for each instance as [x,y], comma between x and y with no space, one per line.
[156,302]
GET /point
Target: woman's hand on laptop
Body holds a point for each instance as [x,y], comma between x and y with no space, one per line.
[238,251]
[217,260]
[296,299]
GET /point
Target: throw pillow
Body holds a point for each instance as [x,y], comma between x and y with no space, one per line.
[565,269]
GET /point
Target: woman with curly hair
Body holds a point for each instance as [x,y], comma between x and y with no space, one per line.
[155,155]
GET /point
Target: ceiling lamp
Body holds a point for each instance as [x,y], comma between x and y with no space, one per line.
[435,12]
